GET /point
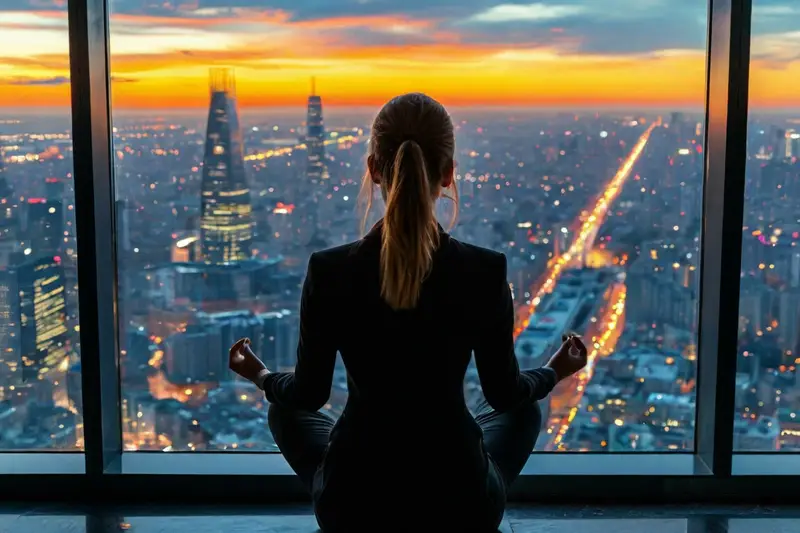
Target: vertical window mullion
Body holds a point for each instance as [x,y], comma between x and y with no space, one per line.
[723,206]
[95,229]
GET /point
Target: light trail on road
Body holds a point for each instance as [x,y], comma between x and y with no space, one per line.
[612,322]
[588,229]
[287,150]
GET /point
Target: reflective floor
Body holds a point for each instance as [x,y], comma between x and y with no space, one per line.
[299,519]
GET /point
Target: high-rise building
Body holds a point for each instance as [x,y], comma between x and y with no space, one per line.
[8,207]
[42,316]
[9,334]
[226,223]
[44,228]
[779,144]
[792,144]
[315,138]
[281,329]
[53,189]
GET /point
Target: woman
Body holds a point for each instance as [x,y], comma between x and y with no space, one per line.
[407,306]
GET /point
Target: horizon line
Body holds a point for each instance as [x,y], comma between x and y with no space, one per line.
[621,107]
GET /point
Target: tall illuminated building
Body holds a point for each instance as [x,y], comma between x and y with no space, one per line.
[226,221]
[9,216]
[9,334]
[315,138]
[41,311]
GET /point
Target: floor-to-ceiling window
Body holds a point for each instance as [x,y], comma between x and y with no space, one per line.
[238,146]
[40,373]
[767,412]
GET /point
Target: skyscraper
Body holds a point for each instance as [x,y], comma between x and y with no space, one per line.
[226,224]
[8,206]
[42,316]
[9,333]
[315,138]
[44,229]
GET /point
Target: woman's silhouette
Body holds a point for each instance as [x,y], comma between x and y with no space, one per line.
[407,306]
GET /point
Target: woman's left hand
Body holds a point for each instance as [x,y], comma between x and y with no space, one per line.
[244,361]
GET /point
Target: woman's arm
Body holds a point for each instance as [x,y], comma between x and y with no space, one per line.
[504,385]
[309,386]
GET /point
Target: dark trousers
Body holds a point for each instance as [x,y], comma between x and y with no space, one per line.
[508,438]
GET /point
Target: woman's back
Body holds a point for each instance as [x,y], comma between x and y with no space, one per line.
[406,423]
[414,357]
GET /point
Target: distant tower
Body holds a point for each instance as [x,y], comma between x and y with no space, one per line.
[315,138]
[226,224]
[779,144]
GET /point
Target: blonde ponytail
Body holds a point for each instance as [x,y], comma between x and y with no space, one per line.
[410,231]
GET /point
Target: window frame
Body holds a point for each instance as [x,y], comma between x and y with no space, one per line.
[714,472]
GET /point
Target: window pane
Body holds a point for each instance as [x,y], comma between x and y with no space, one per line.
[768,383]
[40,388]
[579,156]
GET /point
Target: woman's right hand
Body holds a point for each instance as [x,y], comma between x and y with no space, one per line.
[571,357]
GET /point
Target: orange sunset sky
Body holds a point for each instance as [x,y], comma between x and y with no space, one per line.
[482,52]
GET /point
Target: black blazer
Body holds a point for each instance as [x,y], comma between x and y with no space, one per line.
[405,435]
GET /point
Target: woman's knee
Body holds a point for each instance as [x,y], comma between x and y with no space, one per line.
[537,413]
[278,419]
[532,413]
[533,422]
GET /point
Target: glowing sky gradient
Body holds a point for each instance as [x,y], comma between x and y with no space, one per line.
[559,53]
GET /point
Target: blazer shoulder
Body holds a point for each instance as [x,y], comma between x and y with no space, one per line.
[482,259]
[333,258]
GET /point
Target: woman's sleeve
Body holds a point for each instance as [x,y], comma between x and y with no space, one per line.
[504,385]
[309,386]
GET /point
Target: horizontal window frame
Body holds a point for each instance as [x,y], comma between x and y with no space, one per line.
[257,478]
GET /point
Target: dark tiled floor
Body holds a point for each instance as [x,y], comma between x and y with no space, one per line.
[293,519]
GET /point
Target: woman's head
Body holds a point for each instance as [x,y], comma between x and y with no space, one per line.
[410,158]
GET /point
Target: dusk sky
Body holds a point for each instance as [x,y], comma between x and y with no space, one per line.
[561,53]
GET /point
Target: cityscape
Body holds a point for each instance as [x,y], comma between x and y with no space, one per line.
[599,215]
[238,147]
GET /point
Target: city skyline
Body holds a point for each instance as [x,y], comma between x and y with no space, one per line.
[220,200]
[631,288]
[564,53]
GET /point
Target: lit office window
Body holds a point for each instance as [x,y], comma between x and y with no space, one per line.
[40,381]
[767,414]
[239,140]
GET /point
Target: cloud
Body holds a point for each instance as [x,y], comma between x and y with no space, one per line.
[325,9]
[119,79]
[531,12]
[616,27]
[767,11]
[309,28]
[775,17]
[776,51]
[54,81]
[58,62]
[33,5]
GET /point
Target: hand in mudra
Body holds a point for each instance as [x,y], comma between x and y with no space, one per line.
[244,361]
[570,357]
